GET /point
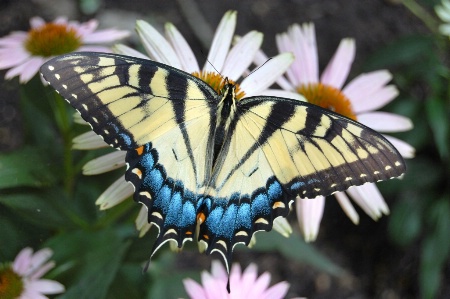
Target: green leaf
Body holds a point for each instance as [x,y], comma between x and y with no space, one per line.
[405,222]
[438,117]
[406,50]
[294,248]
[88,262]
[26,167]
[42,209]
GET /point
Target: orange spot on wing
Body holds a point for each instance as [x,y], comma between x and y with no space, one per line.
[205,237]
[188,233]
[201,217]
[140,150]
[278,204]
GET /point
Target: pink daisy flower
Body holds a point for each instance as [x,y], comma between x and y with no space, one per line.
[24,52]
[22,279]
[245,285]
[357,100]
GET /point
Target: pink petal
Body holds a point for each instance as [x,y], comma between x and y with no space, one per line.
[405,149]
[194,289]
[31,68]
[46,286]
[105,36]
[13,57]
[22,261]
[27,69]
[36,22]
[218,270]
[385,121]
[86,28]
[282,94]
[277,291]
[241,55]
[64,21]
[293,73]
[214,288]
[13,40]
[369,91]
[38,259]
[260,58]
[260,285]
[221,42]
[305,52]
[339,67]
[42,270]
[249,276]
[180,45]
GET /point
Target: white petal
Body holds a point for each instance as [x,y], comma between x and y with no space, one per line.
[405,149]
[156,45]
[347,206]
[339,67]
[26,70]
[125,50]
[281,225]
[241,55]
[105,36]
[46,286]
[115,194]
[36,22]
[14,56]
[369,198]
[267,74]
[385,121]
[38,259]
[187,58]
[261,58]
[369,91]
[88,140]
[221,42]
[309,214]
[443,13]
[282,94]
[22,261]
[141,222]
[306,66]
[105,163]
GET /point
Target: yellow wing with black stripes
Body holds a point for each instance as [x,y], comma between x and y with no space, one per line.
[196,155]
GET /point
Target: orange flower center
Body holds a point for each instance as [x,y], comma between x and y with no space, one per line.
[52,39]
[327,97]
[217,82]
[11,285]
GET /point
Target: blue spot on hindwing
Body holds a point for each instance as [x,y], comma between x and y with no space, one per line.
[174,208]
[260,205]
[274,191]
[162,199]
[189,215]
[297,185]
[243,217]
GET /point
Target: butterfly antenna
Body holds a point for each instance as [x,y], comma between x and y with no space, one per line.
[268,59]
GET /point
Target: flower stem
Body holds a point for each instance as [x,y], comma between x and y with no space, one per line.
[421,14]
[64,123]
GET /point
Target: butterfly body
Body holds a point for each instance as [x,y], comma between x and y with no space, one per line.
[198,157]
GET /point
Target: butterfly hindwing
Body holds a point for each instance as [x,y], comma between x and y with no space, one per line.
[278,149]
